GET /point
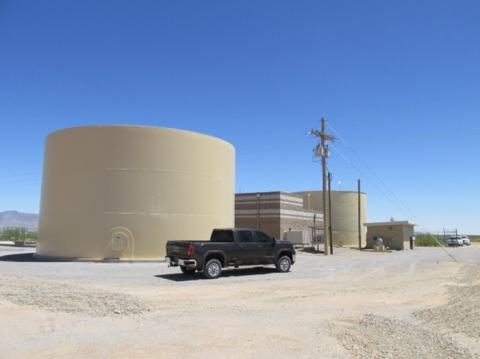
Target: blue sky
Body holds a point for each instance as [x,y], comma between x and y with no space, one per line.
[398,80]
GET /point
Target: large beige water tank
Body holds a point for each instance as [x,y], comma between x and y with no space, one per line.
[123,191]
[344,214]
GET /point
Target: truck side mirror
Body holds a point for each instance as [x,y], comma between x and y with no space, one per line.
[273,241]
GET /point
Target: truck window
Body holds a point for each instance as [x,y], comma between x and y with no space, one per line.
[245,236]
[221,236]
[262,237]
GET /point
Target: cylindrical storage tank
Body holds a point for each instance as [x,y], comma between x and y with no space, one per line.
[344,214]
[124,191]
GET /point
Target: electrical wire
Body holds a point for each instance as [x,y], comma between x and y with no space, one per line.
[397,202]
[362,174]
[392,193]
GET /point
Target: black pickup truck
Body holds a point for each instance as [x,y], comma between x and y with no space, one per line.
[230,247]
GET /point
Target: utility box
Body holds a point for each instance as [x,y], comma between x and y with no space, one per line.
[297,237]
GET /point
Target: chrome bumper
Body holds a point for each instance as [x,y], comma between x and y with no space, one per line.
[189,263]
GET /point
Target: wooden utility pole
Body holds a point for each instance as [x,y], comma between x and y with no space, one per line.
[359,217]
[258,210]
[322,151]
[330,231]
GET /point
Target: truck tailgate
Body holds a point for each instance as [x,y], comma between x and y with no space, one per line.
[180,248]
[177,248]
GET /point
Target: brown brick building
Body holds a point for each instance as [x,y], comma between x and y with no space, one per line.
[275,213]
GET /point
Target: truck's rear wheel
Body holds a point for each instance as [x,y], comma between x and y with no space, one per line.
[213,269]
[186,270]
[283,264]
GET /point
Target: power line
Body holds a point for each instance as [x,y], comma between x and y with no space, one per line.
[392,193]
[441,245]
[362,174]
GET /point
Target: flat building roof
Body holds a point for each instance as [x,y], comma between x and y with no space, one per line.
[389,223]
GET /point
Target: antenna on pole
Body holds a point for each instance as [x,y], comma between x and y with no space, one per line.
[321,150]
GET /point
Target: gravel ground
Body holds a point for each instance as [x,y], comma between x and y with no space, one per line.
[379,337]
[354,304]
[461,314]
[68,298]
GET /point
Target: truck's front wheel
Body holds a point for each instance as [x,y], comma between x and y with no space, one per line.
[283,264]
[213,269]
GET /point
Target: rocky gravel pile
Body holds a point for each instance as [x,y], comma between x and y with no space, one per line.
[462,312]
[379,337]
[60,297]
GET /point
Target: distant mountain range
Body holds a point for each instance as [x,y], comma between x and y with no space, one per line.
[18,219]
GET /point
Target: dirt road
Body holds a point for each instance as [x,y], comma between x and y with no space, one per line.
[354,304]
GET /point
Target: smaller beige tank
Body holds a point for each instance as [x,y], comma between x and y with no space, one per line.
[344,214]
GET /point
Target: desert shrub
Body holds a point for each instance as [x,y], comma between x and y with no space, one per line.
[428,240]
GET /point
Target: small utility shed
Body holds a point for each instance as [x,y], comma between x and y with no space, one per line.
[395,234]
